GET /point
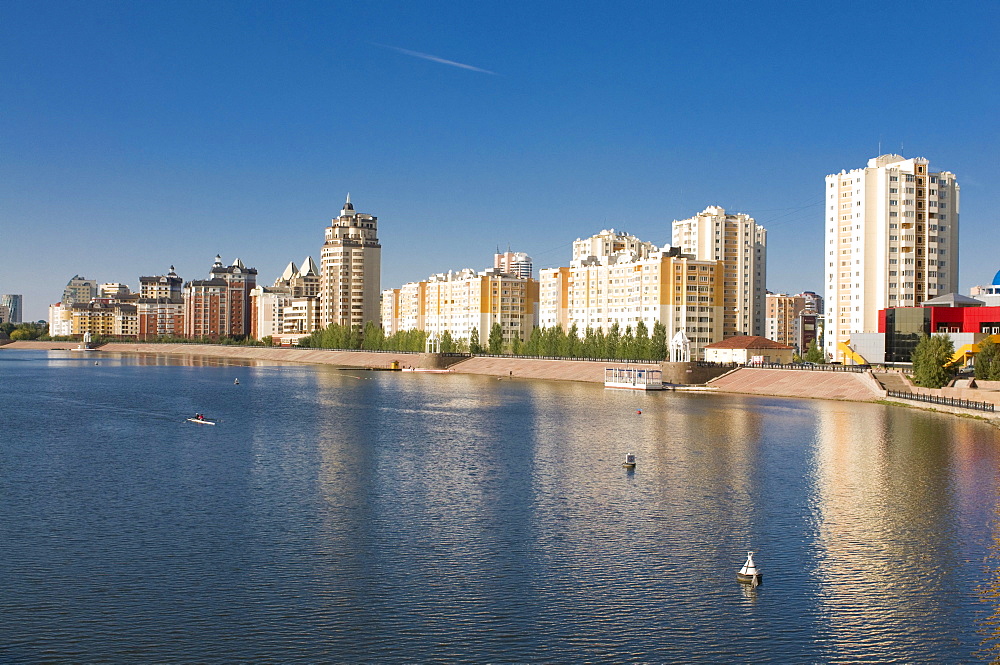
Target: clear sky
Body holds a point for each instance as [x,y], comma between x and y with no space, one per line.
[139,135]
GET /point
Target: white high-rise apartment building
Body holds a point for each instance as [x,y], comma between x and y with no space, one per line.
[891,241]
[350,270]
[741,244]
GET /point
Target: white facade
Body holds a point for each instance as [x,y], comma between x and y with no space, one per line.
[630,287]
[600,248]
[891,240]
[515,263]
[741,244]
[458,301]
[350,270]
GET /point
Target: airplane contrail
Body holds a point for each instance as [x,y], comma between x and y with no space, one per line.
[434,58]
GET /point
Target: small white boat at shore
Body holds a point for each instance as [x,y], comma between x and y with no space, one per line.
[633,378]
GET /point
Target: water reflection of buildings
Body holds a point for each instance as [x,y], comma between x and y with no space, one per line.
[885,507]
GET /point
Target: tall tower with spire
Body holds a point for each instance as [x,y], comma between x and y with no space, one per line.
[350,270]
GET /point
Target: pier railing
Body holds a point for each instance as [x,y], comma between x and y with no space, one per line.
[944,401]
[808,367]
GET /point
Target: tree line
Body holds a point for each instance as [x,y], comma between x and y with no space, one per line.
[618,344]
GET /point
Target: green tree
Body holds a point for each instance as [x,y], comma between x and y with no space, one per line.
[516,345]
[534,345]
[373,338]
[447,342]
[19,334]
[988,360]
[932,361]
[569,344]
[474,346]
[626,348]
[643,348]
[495,342]
[813,354]
[613,341]
[658,342]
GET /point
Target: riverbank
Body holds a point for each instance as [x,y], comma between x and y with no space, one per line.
[842,386]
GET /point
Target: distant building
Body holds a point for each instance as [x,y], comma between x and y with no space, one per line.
[604,246]
[616,278]
[988,294]
[113,290]
[350,270]
[220,305]
[793,319]
[160,307]
[741,244]
[14,305]
[168,286]
[514,263]
[79,290]
[891,242]
[290,309]
[458,302]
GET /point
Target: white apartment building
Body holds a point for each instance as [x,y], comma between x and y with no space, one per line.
[458,301]
[633,285]
[515,263]
[609,243]
[891,241]
[741,244]
[350,269]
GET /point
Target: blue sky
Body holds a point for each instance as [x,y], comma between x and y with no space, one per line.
[139,135]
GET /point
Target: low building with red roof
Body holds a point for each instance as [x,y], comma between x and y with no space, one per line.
[744,349]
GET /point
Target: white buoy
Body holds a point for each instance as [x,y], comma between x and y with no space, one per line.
[236,382]
[749,573]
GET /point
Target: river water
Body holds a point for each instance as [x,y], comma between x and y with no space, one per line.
[339,516]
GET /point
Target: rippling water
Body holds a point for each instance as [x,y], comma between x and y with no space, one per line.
[344,516]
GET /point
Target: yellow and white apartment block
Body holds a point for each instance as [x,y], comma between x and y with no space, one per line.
[458,301]
[891,241]
[649,286]
[741,244]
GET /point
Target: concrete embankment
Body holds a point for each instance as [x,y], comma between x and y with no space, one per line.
[854,386]
[524,368]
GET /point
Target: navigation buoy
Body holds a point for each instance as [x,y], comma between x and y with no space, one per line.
[236,382]
[749,573]
[639,411]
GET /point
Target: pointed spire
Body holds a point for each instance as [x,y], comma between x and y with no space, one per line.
[289,272]
[347,206]
[309,268]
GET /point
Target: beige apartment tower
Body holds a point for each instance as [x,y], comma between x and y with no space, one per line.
[891,241]
[350,270]
[741,244]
